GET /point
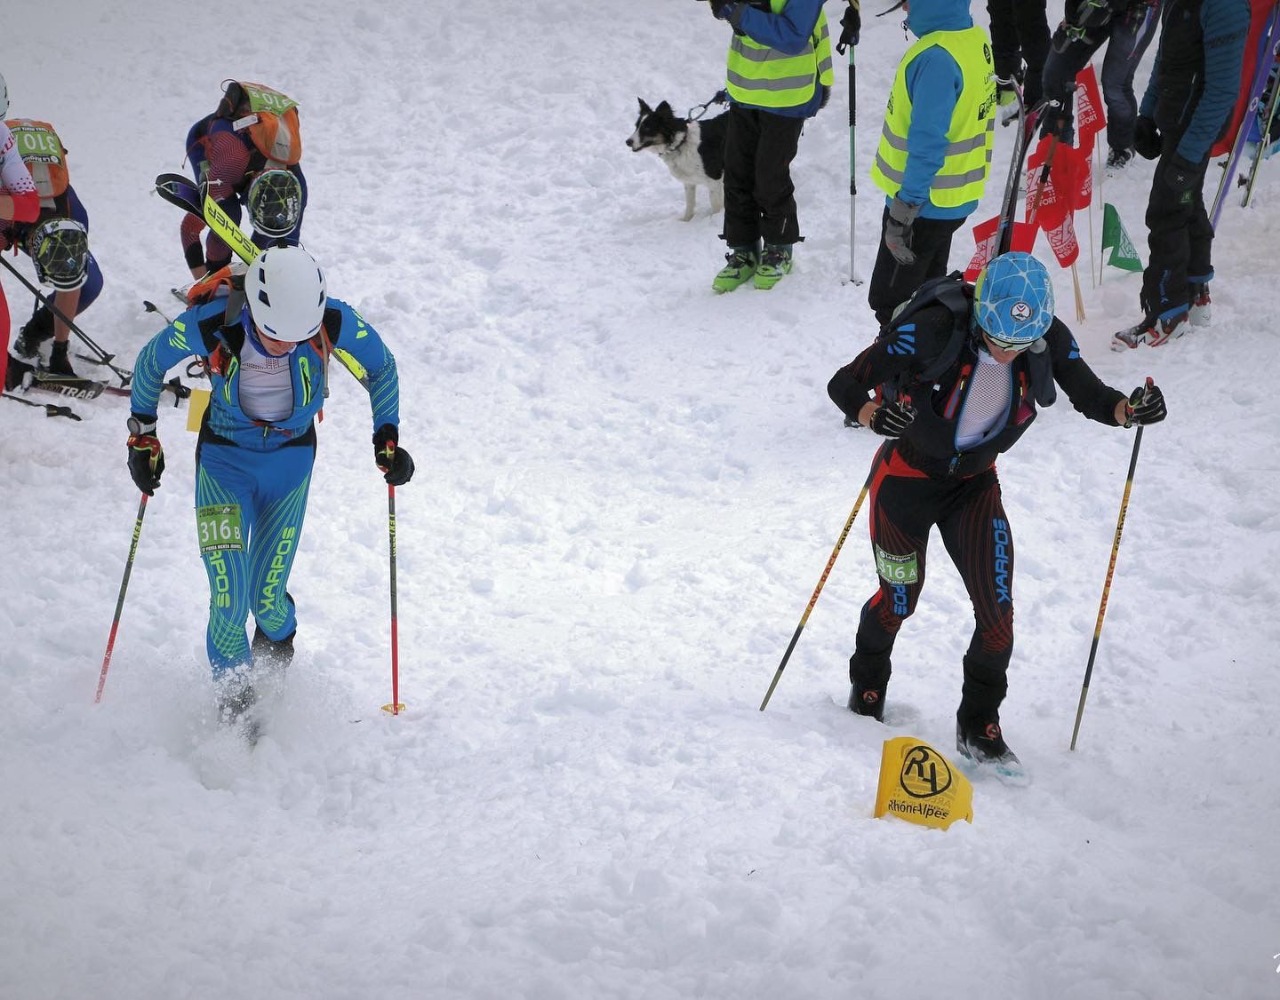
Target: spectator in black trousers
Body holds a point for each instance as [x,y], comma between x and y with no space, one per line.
[1193,88]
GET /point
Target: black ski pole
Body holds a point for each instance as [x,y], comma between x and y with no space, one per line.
[105,359]
[151,307]
[1106,587]
[124,584]
[50,410]
[848,525]
[850,33]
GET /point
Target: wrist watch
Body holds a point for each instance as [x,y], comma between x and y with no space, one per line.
[136,426]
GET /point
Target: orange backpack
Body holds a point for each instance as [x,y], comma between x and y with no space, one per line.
[270,117]
[43,153]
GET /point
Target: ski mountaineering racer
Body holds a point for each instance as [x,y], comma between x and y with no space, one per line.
[266,348]
[1002,354]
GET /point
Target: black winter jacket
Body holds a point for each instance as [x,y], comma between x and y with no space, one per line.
[929,443]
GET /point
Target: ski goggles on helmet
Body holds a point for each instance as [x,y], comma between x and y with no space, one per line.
[1017,347]
[59,248]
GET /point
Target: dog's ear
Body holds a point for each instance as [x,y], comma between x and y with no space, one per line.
[664,109]
[644,108]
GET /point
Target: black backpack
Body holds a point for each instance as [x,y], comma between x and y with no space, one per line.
[956,294]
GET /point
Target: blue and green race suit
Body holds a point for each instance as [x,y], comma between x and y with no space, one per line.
[252,477]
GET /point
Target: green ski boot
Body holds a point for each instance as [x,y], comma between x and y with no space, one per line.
[774,265]
[739,267]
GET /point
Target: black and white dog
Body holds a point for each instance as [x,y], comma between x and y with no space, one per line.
[692,149]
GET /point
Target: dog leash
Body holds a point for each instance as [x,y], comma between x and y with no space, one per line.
[722,97]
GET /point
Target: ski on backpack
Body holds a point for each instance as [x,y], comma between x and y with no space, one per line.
[1012,185]
[181,191]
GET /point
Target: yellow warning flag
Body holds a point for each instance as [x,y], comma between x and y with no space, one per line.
[196,405]
[920,785]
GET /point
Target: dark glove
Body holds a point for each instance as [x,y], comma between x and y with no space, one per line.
[892,419]
[1146,406]
[1056,120]
[826,96]
[1180,174]
[897,230]
[722,9]
[146,457]
[1146,138]
[393,461]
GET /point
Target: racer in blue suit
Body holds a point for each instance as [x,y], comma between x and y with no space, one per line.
[266,349]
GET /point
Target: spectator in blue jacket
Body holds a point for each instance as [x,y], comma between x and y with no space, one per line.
[935,149]
[1193,88]
[779,74]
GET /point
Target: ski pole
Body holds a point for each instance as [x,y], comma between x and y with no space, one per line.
[395,708]
[848,525]
[124,375]
[124,585]
[1106,587]
[151,307]
[50,410]
[850,32]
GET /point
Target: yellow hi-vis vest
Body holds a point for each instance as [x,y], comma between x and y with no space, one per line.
[767,78]
[969,136]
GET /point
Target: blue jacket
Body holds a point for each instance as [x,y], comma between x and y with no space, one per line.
[1195,81]
[198,332]
[787,32]
[934,82]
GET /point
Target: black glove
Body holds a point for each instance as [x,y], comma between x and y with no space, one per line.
[1146,406]
[897,230]
[891,420]
[826,96]
[722,9]
[146,457]
[1056,120]
[393,461]
[1146,138]
[1180,174]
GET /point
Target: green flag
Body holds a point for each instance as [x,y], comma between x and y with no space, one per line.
[1123,253]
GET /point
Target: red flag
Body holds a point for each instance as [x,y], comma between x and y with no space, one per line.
[1046,202]
[1062,241]
[984,235]
[984,238]
[1090,116]
[1082,189]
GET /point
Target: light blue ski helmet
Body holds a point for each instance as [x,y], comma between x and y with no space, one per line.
[1013,299]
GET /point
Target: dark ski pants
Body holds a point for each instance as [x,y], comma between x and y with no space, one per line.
[1020,33]
[893,283]
[1126,38]
[970,517]
[1180,238]
[759,196]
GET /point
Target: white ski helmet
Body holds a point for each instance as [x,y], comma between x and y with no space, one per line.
[285,290]
[4,98]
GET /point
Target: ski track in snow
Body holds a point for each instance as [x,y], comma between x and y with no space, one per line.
[627,489]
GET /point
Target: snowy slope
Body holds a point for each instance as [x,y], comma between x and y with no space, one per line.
[627,489]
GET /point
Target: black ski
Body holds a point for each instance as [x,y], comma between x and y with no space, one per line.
[65,385]
[1009,203]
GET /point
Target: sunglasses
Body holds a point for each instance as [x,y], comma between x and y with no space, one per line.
[1017,348]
